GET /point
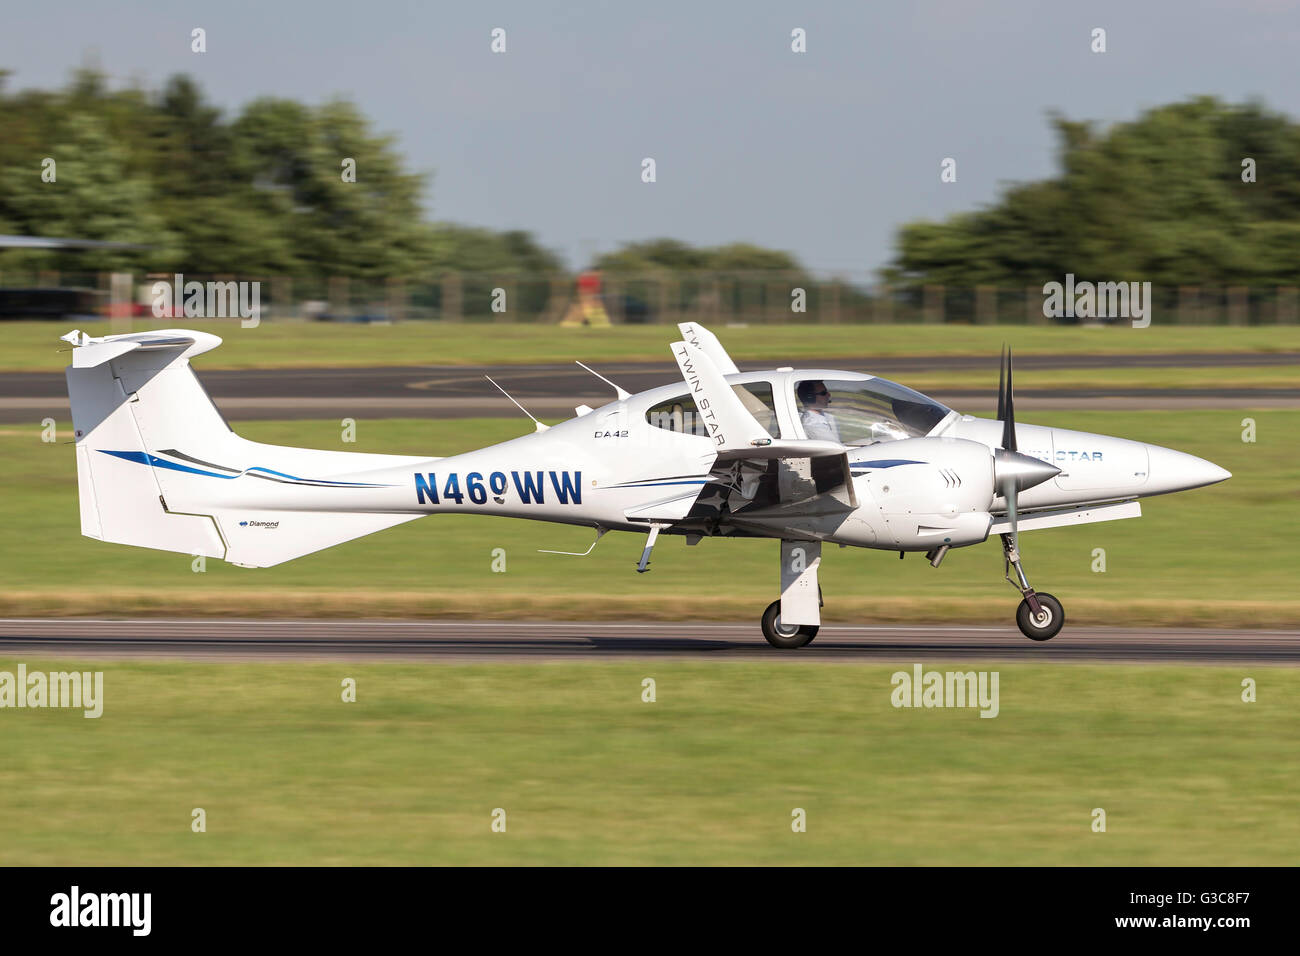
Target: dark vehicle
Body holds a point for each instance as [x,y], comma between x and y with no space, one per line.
[48,303]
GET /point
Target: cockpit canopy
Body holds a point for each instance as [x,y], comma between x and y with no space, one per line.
[859,412]
[855,411]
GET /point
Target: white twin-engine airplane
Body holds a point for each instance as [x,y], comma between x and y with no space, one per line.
[807,456]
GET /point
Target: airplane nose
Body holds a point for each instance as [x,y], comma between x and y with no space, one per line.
[1170,470]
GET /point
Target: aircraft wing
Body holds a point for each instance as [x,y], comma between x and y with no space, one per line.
[737,435]
[730,425]
[701,338]
[1063,517]
[785,448]
[676,505]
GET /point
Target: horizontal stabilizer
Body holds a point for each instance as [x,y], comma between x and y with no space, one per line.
[90,352]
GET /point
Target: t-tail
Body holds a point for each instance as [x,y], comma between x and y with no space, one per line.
[158,466]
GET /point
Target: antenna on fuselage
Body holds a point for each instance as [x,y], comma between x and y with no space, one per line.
[540,426]
[622,393]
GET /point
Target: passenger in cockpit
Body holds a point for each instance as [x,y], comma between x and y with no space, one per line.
[818,422]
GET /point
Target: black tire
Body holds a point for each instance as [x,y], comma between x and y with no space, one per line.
[786,638]
[1041,630]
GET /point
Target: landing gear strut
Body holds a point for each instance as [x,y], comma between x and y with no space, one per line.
[1040,616]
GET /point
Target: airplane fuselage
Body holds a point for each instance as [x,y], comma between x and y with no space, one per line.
[916,493]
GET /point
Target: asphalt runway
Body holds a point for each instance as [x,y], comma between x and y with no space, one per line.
[619,641]
[551,391]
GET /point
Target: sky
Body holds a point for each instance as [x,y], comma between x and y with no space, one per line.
[823,153]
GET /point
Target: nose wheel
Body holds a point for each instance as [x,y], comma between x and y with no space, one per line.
[1046,623]
[1040,617]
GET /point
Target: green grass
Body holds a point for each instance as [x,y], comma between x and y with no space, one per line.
[1217,555]
[30,346]
[709,774]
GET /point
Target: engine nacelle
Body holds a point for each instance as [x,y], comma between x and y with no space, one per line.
[923,493]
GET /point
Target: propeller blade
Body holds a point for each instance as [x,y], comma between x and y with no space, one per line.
[1006,402]
[1002,385]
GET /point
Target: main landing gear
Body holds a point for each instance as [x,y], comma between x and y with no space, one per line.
[1039,616]
[785,636]
[792,620]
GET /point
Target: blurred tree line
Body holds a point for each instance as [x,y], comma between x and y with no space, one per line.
[1159,199]
[257,194]
[261,193]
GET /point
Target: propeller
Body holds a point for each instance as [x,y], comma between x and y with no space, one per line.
[1012,471]
[1006,402]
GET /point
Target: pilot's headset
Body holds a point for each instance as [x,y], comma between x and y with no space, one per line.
[806,392]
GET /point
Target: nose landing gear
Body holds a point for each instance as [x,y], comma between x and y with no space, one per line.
[1039,616]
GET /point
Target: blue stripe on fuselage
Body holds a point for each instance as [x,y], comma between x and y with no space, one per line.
[143,458]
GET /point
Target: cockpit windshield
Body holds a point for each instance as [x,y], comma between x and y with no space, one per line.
[863,412]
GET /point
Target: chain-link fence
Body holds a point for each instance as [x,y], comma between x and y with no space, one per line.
[759,297]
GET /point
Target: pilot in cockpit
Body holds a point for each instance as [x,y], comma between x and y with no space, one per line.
[818,422]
